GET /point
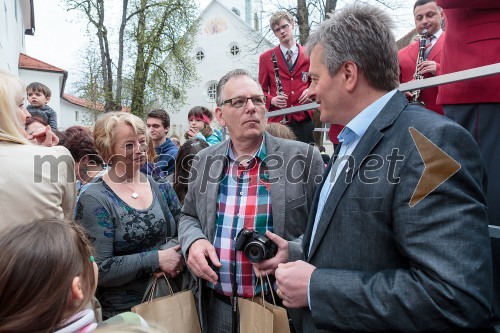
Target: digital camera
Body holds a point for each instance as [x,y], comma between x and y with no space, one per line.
[256,247]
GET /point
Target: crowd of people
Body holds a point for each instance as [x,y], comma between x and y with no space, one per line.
[90,215]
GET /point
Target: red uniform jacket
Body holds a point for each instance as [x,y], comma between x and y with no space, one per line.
[473,40]
[293,83]
[407,64]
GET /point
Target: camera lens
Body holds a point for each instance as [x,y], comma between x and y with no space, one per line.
[255,252]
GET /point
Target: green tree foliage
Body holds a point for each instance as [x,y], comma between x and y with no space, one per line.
[166,29]
[132,60]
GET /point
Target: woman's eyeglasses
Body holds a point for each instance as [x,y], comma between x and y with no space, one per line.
[130,146]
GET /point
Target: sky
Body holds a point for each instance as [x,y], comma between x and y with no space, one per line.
[60,36]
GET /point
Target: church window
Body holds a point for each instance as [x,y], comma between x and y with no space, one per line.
[212,91]
[235,50]
[200,55]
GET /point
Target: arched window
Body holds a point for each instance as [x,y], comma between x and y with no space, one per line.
[212,91]
[200,55]
[234,50]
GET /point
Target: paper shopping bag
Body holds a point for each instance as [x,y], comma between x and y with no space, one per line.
[254,317]
[280,318]
[174,313]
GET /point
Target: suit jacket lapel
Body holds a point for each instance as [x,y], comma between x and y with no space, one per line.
[300,58]
[436,49]
[370,139]
[281,61]
[413,51]
[212,192]
[277,186]
[314,208]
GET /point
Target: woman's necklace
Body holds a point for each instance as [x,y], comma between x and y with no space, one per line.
[134,194]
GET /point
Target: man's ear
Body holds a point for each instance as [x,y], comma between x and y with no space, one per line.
[350,73]
[441,13]
[219,116]
[167,129]
[85,160]
[76,289]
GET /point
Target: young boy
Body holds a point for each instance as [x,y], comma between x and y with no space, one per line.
[38,97]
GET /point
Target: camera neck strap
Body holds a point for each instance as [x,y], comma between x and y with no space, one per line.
[234,311]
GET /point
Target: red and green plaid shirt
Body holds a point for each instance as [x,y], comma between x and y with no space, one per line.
[244,201]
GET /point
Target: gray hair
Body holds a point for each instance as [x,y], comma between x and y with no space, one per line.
[229,75]
[362,34]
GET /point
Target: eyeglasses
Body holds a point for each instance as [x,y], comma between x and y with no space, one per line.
[130,146]
[283,27]
[240,102]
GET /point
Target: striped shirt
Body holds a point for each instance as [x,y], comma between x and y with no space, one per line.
[244,201]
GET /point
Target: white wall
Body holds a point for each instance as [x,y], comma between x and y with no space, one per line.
[218,60]
[12,30]
[70,118]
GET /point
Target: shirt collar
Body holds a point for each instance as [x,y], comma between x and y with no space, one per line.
[359,124]
[438,34]
[294,48]
[261,153]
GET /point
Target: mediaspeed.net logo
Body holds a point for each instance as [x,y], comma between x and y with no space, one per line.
[439,167]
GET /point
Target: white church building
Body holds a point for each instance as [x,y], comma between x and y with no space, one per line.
[230,36]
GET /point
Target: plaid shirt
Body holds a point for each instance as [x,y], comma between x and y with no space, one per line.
[244,201]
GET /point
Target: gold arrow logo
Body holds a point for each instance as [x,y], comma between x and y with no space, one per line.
[439,167]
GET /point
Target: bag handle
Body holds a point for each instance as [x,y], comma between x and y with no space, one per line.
[150,289]
[255,289]
[271,289]
[262,292]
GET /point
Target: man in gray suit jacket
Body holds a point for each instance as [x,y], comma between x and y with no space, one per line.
[254,181]
[398,235]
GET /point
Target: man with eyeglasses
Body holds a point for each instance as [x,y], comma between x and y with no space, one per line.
[253,181]
[288,88]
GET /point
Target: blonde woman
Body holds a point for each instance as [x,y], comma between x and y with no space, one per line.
[37,182]
[128,216]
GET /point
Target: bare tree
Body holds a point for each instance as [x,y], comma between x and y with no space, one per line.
[164,29]
[94,12]
[303,21]
[90,85]
[330,6]
[153,28]
[310,13]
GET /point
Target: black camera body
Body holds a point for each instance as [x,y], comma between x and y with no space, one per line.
[256,247]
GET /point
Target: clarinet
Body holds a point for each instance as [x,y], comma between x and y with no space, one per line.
[417,76]
[279,87]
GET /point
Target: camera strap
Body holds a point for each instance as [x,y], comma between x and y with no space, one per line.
[234,321]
